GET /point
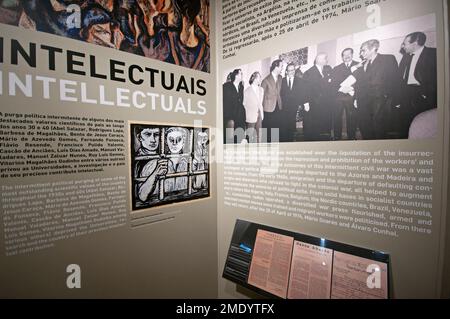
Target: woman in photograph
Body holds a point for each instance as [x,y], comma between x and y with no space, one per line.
[254,112]
[233,109]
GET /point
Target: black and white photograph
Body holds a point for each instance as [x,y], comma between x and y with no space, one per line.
[373,85]
[169,164]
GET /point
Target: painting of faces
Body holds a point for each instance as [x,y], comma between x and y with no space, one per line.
[169,164]
[173,31]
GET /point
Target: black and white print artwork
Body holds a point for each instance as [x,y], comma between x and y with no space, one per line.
[169,164]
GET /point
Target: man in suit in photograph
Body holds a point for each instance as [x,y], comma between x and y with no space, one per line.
[272,103]
[293,92]
[344,96]
[376,90]
[418,69]
[317,121]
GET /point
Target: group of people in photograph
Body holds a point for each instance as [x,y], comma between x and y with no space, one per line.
[371,99]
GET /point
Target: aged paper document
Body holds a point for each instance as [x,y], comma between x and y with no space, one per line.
[356,278]
[310,272]
[271,262]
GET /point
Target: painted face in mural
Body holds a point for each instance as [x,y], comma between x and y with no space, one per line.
[202,141]
[100,34]
[149,139]
[175,140]
[203,138]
